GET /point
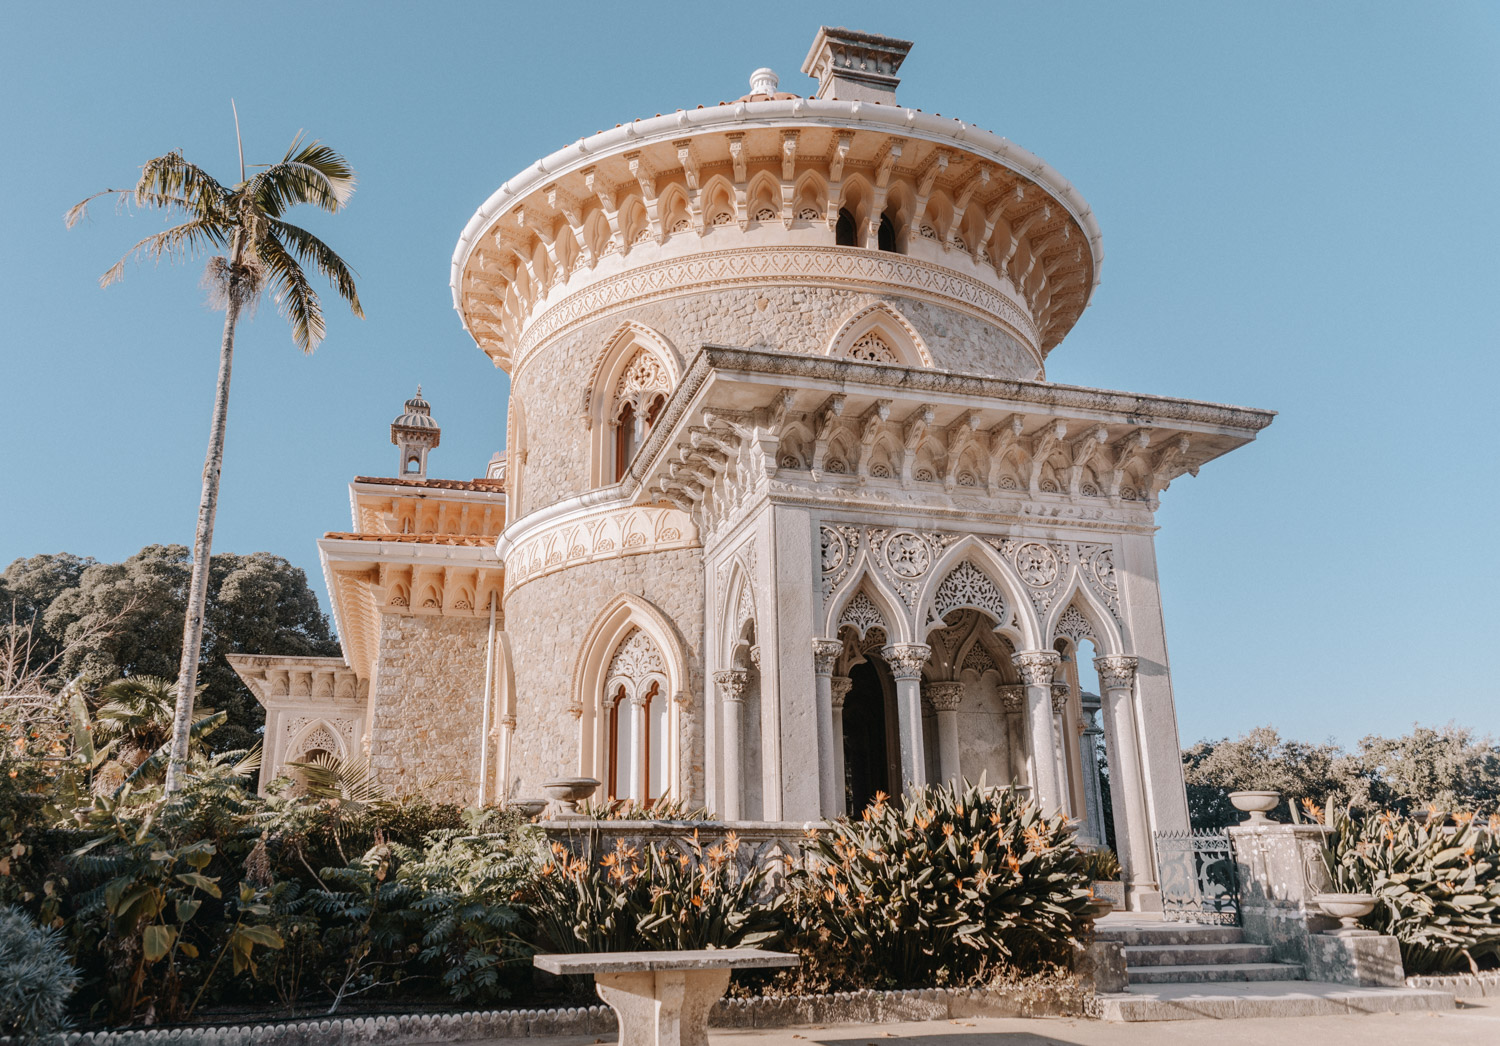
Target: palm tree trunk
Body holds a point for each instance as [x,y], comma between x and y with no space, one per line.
[197,605]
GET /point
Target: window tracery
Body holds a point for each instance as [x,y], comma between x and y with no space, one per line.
[636,703]
[639,396]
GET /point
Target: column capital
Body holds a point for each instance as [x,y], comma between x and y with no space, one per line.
[1117,671]
[637,700]
[1060,692]
[838,689]
[945,697]
[1013,696]
[906,659]
[731,684]
[825,653]
[755,656]
[1037,666]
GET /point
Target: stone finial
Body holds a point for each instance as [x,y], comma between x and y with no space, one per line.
[764,81]
[853,66]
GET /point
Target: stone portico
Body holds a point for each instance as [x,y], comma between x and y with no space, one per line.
[789,514]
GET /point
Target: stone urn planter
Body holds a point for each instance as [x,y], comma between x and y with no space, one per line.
[527,808]
[568,792]
[1348,909]
[1110,891]
[1099,907]
[1256,804]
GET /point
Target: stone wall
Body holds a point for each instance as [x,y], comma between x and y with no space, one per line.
[552,381]
[549,619]
[429,705]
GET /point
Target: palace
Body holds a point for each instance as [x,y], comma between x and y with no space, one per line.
[789,513]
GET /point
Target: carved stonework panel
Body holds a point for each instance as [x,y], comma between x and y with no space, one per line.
[978,658]
[904,557]
[968,586]
[1097,565]
[840,547]
[636,665]
[872,347]
[862,615]
[1043,568]
[1074,625]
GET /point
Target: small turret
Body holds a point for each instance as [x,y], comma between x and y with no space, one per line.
[415,433]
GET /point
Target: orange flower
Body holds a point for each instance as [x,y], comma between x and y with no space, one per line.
[697,901]
[947,829]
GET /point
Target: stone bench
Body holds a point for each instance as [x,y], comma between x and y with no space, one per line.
[663,998]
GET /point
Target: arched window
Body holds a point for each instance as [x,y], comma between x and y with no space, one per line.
[887,235]
[639,397]
[844,232]
[638,710]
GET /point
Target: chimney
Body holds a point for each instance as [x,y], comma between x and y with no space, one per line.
[854,66]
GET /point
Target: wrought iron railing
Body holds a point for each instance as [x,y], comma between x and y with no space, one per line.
[1197,877]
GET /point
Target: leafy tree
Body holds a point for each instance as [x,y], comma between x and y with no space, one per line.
[258,603]
[245,220]
[1448,768]
[27,588]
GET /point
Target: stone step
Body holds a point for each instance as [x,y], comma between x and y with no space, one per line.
[1135,936]
[1177,1002]
[1216,972]
[1195,954]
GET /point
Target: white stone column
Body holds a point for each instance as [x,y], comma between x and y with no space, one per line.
[731,687]
[825,652]
[640,758]
[1060,692]
[839,687]
[906,661]
[1013,700]
[945,698]
[1036,667]
[1093,799]
[1128,793]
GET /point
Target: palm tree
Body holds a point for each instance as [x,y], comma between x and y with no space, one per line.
[245,222]
[136,714]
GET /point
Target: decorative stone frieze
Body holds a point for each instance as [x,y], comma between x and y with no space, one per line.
[606,533]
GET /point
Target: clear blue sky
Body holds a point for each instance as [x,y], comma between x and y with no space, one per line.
[1299,208]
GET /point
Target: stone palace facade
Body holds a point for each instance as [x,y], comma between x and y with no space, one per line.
[789,513]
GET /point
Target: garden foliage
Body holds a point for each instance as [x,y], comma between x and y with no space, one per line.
[943,887]
[36,978]
[1436,880]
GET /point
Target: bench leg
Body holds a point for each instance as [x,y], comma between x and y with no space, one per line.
[669,1008]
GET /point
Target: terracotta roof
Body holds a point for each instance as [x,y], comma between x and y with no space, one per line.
[471,540]
[495,485]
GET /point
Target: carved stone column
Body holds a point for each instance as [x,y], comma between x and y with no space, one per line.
[825,652]
[1063,748]
[945,698]
[731,687]
[1013,700]
[839,687]
[1036,667]
[906,661]
[1128,791]
[639,755]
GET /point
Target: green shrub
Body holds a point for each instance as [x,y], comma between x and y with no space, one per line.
[36,977]
[943,888]
[651,899]
[663,809]
[1102,865]
[1438,886]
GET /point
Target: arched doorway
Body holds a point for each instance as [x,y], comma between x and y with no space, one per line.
[872,755]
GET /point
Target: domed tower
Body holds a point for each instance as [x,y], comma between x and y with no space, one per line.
[789,495]
[414,433]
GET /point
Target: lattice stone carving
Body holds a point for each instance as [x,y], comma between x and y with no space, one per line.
[1098,569]
[1074,625]
[1036,563]
[968,586]
[321,739]
[643,377]
[871,346]
[839,545]
[636,665]
[862,615]
[978,658]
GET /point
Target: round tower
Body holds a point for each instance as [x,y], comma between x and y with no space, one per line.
[842,226]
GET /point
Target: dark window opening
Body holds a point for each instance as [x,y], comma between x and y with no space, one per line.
[887,235]
[843,232]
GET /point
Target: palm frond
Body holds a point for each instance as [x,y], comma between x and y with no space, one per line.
[172,175]
[157,760]
[348,780]
[311,173]
[125,197]
[309,250]
[295,299]
[187,240]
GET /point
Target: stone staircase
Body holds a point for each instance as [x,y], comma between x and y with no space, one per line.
[1185,953]
[1181,971]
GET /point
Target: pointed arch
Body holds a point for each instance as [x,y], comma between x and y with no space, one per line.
[934,601]
[624,616]
[884,608]
[621,358]
[675,209]
[1081,600]
[764,199]
[719,207]
[320,734]
[736,613]
[892,329]
[811,196]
